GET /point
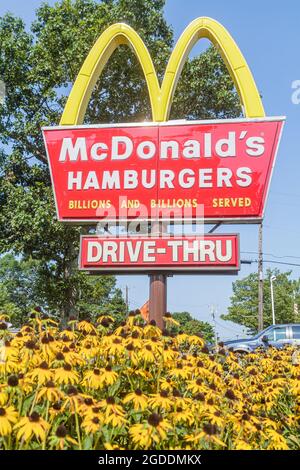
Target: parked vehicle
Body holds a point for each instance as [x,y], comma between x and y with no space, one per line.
[275,335]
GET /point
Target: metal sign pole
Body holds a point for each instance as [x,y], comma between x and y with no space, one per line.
[158,285]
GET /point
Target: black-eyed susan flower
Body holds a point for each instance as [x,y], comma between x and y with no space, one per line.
[92,424]
[66,375]
[161,400]
[49,392]
[31,425]
[114,413]
[154,430]
[61,440]
[41,374]
[138,399]
[8,417]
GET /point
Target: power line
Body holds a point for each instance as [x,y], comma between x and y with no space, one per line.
[271,254]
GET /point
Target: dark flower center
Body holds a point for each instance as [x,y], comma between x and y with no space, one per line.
[138,392]
[72,391]
[230,395]
[44,365]
[96,371]
[56,406]
[30,344]
[210,429]
[12,380]
[108,368]
[50,384]
[2,412]
[154,419]
[200,397]
[67,367]
[34,417]
[110,400]
[164,394]
[60,356]
[95,420]
[61,431]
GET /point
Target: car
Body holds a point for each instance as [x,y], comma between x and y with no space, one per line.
[275,335]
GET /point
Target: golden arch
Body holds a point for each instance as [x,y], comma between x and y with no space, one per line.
[161,97]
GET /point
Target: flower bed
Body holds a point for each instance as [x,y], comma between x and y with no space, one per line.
[134,387]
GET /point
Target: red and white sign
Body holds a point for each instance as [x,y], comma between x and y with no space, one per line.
[211,170]
[142,253]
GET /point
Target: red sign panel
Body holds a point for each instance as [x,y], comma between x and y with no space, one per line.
[216,170]
[142,253]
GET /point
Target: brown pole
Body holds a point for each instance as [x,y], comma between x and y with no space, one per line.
[158,287]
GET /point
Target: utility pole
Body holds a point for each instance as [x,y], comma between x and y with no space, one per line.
[212,310]
[260,279]
[272,279]
[127,299]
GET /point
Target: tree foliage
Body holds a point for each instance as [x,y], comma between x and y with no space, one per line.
[192,326]
[243,307]
[39,65]
[23,288]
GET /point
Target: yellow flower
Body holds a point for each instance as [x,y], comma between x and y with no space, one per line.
[242,445]
[98,378]
[169,320]
[277,441]
[61,439]
[32,425]
[181,415]
[179,372]
[65,375]
[86,326]
[146,354]
[41,374]
[152,431]
[92,424]
[161,400]
[208,435]
[138,399]
[196,386]
[8,416]
[114,414]
[49,392]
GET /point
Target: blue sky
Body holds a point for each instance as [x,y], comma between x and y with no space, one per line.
[268,34]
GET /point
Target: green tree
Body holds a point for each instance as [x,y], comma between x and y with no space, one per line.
[22,288]
[192,326]
[39,66]
[243,307]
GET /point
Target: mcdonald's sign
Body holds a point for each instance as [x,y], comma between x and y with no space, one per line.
[216,170]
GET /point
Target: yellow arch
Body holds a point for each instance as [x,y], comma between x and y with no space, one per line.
[232,56]
[161,98]
[93,65]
